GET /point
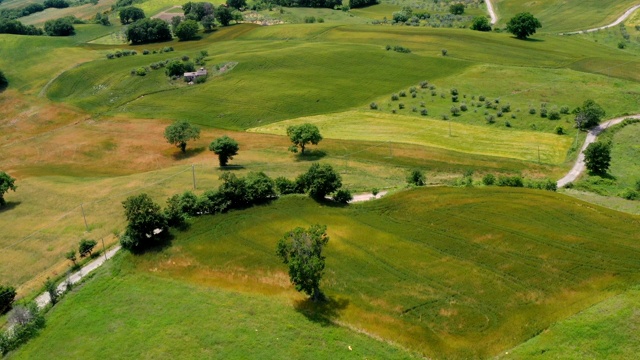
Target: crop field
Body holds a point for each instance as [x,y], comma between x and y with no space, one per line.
[569,15]
[150,317]
[466,272]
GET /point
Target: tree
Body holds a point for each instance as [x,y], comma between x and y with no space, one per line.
[71,256]
[85,247]
[234,191]
[208,22]
[50,287]
[589,115]
[523,25]
[148,30]
[6,183]
[260,188]
[301,250]
[226,148]
[237,4]
[175,68]
[187,30]
[180,132]
[131,14]
[301,135]
[3,81]
[102,19]
[416,177]
[175,21]
[597,157]
[480,23]
[57,4]
[343,196]
[237,16]
[59,27]
[457,9]
[319,181]
[197,10]
[7,296]
[224,15]
[145,221]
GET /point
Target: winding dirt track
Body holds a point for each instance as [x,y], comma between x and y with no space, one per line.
[579,166]
[492,13]
[622,18]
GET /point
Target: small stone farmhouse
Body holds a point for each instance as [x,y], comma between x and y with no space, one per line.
[191,76]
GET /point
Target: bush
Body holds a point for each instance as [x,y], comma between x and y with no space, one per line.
[564,110]
[309,19]
[7,296]
[145,52]
[444,52]
[141,71]
[286,186]
[454,98]
[403,93]
[400,106]
[499,114]
[455,111]
[532,111]
[489,180]
[26,322]
[490,119]
[56,4]
[110,56]
[373,106]
[507,124]
[148,30]
[59,27]
[395,97]
[319,181]
[630,194]
[543,112]
[416,177]
[424,112]
[559,130]
[622,45]
[463,107]
[424,84]
[554,115]
[511,181]
[505,108]
[342,196]
[480,23]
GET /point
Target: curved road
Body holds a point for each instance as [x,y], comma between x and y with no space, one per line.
[592,136]
[618,21]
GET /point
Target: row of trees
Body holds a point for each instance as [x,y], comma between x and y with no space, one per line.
[12,14]
[147,222]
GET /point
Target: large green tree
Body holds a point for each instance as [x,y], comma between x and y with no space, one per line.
[319,181]
[7,295]
[523,25]
[237,4]
[597,157]
[148,31]
[480,23]
[301,250]
[187,30]
[6,183]
[301,135]
[131,14]
[59,27]
[226,148]
[3,81]
[145,222]
[180,132]
[223,15]
[589,115]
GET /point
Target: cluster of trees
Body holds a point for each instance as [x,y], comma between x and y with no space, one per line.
[147,222]
[15,27]
[354,4]
[12,14]
[6,183]
[102,19]
[148,31]
[309,3]
[131,14]
[25,323]
[59,27]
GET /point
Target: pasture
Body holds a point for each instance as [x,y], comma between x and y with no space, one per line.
[446,272]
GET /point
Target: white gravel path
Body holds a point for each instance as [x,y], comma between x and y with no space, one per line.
[622,18]
[492,13]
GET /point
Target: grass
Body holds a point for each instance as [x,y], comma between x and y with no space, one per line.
[84,12]
[378,126]
[606,330]
[570,15]
[127,314]
[467,272]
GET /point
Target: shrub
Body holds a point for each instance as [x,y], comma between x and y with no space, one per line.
[507,124]
[454,98]
[434,93]
[499,114]
[455,111]
[110,56]
[285,186]
[403,93]
[414,95]
[388,47]
[564,110]
[490,119]
[463,107]
[400,106]
[424,84]
[342,196]
[395,97]
[320,20]
[373,106]
[59,27]
[543,112]
[445,117]
[630,194]
[454,92]
[7,296]
[622,45]
[26,322]
[444,52]
[416,177]
[118,53]
[481,98]
[554,115]
[506,108]
[559,130]
[309,19]
[489,180]
[532,111]
[401,49]
[141,71]
[145,52]
[511,181]
[424,112]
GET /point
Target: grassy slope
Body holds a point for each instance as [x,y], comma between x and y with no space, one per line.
[557,16]
[466,272]
[126,314]
[605,331]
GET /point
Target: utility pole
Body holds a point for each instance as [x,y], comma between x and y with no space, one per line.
[85,218]
[104,249]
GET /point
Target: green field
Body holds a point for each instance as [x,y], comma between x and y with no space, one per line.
[569,15]
[605,331]
[466,272]
[128,314]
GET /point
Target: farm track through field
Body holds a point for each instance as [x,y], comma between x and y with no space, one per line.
[622,18]
[579,167]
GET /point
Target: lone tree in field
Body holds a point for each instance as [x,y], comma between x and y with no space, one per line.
[523,25]
[180,132]
[226,148]
[597,157]
[589,115]
[301,250]
[7,295]
[480,23]
[6,183]
[86,247]
[131,14]
[319,181]
[301,135]
[416,177]
[144,219]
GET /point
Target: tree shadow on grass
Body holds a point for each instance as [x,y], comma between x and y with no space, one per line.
[161,243]
[324,312]
[231,168]
[311,155]
[9,206]
[532,39]
[189,153]
[329,203]
[3,87]
[604,176]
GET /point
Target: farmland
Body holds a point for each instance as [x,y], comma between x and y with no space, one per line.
[443,271]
